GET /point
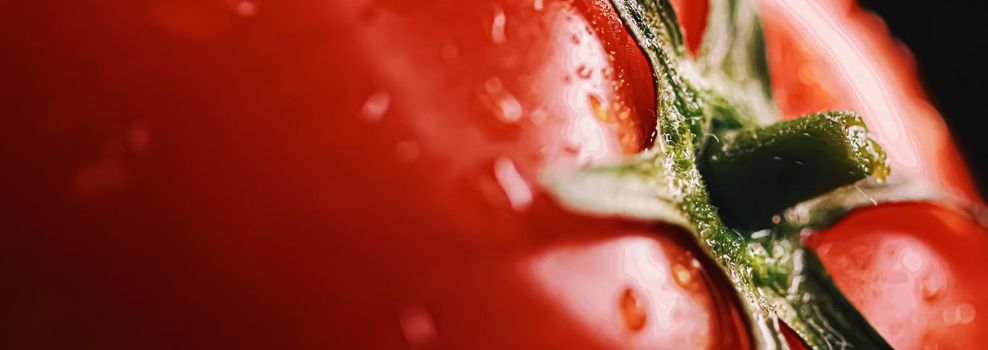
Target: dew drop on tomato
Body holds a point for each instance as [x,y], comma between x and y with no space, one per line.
[510,109]
[246,8]
[417,325]
[375,106]
[959,314]
[514,186]
[598,108]
[632,312]
[913,262]
[682,275]
[575,38]
[502,103]
[498,35]
[584,72]
[932,286]
[538,117]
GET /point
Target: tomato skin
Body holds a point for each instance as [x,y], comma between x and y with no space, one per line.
[921,281]
[351,174]
[304,174]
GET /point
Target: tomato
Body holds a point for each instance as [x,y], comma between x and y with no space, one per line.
[919,281]
[350,174]
[365,174]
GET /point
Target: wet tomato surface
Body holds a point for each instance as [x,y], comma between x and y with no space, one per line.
[365,174]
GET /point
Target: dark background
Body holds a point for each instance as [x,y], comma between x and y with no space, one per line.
[950,41]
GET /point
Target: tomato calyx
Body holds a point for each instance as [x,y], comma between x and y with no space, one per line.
[725,169]
[785,163]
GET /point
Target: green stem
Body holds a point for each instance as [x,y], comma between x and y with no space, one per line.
[786,163]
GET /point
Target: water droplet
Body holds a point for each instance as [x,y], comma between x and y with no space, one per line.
[932,287]
[450,52]
[510,109]
[375,106]
[776,219]
[572,149]
[575,38]
[584,72]
[539,116]
[912,261]
[407,151]
[537,5]
[597,106]
[695,263]
[959,314]
[683,275]
[417,325]
[513,185]
[506,107]
[497,27]
[632,311]
[246,8]
[759,235]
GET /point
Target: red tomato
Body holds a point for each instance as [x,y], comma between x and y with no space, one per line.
[363,174]
[920,281]
[350,174]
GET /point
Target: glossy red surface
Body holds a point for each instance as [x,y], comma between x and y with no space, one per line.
[364,174]
[350,174]
[916,271]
